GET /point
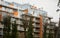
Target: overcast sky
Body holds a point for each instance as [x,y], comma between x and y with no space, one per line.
[48,5]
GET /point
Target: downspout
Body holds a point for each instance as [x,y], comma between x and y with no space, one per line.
[41,27]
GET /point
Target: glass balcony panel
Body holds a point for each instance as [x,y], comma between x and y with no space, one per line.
[1,26]
[47,31]
[3,8]
[20,17]
[17,21]
[21,28]
[36,30]
[35,20]
[1,32]
[36,25]
[0,2]
[48,26]
[11,10]
[36,35]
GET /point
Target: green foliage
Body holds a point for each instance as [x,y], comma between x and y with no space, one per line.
[6,29]
[30,29]
[25,24]
[14,30]
[45,32]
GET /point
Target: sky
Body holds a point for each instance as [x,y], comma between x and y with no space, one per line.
[48,5]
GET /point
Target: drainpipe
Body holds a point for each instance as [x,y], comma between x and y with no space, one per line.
[41,27]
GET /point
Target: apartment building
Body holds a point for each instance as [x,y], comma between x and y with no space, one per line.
[58,30]
[16,10]
[50,29]
[4,10]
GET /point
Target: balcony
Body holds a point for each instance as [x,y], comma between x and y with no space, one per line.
[1,32]
[36,35]
[47,31]
[51,28]
[5,3]
[48,26]
[12,20]
[1,26]
[20,28]
[0,2]
[9,10]
[35,20]
[52,32]
[36,30]
[36,25]
[19,22]
[20,17]
[6,10]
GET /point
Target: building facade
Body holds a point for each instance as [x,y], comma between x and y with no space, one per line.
[49,28]
[16,10]
[58,30]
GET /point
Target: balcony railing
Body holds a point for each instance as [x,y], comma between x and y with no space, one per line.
[19,22]
[36,35]
[36,30]
[0,2]
[1,26]
[35,25]
[6,10]
[36,20]
[5,3]
[20,28]
[47,31]
[1,32]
